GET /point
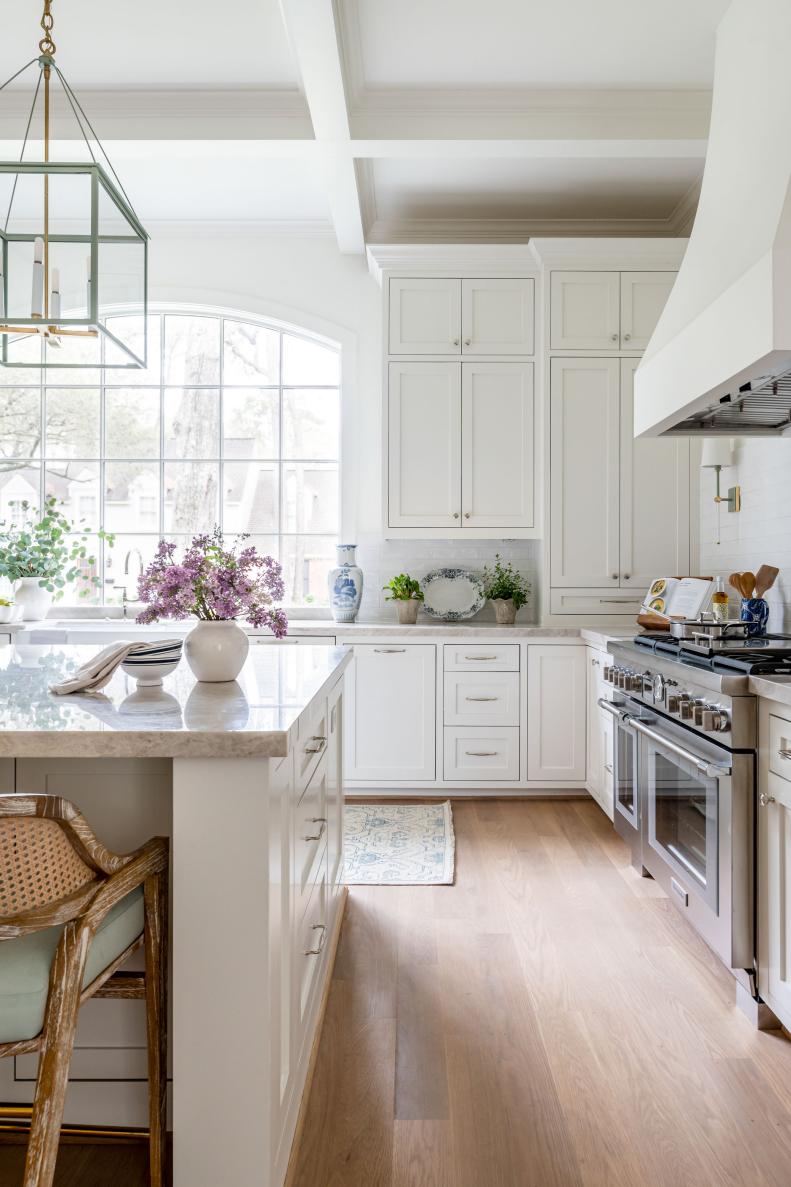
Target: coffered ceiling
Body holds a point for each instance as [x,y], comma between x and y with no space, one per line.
[389,120]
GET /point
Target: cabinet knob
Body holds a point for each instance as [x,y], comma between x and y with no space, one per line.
[455,515]
[468,341]
[765,799]
[627,337]
[615,576]
[467,514]
[455,342]
[613,337]
[626,576]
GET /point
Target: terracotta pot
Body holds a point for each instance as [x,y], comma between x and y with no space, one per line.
[407,611]
[504,611]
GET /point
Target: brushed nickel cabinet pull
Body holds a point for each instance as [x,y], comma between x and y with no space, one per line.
[481,753]
[321,742]
[608,767]
[784,753]
[322,820]
[764,799]
[389,650]
[481,698]
[480,657]
[322,927]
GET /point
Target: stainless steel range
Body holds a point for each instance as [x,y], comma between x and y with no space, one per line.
[684,768]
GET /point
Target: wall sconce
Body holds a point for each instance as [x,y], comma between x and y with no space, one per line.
[718,453]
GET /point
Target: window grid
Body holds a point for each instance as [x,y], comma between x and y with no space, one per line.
[45,459]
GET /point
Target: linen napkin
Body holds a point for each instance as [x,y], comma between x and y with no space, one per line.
[98,671]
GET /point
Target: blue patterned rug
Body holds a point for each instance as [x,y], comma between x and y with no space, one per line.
[399,844]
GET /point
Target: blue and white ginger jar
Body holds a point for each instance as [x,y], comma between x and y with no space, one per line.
[345,584]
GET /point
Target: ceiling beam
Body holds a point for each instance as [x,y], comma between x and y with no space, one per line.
[313,34]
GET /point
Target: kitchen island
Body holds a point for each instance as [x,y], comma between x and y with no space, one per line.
[247,778]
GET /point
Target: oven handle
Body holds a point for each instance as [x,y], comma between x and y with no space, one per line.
[619,712]
[712,770]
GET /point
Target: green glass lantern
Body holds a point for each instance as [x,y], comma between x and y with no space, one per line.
[73,253]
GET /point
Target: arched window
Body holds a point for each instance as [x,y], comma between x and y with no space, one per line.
[234,422]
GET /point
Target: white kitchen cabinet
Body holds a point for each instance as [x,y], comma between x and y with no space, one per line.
[424,474]
[335,775]
[481,753]
[425,315]
[498,316]
[643,297]
[654,501]
[556,713]
[606,310]
[584,463]
[774,859]
[595,757]
[585,311]
[391,700]
[498,445]
[481,698]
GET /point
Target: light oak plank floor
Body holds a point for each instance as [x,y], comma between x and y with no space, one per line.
[549,1021]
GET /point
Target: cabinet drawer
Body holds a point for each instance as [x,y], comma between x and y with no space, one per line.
[311,942]
[595,601]
[487,753]
[460,657]
[482,698]
[780,746]
[312,744]
[310,836]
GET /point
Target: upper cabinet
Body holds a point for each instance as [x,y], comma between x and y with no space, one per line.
[424,445]
[606,310]
[448,316]
[497,445]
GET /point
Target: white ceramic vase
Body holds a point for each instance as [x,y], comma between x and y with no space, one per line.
[33,598]
[216,651]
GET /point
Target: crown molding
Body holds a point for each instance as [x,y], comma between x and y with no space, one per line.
[517,259]
[494,230]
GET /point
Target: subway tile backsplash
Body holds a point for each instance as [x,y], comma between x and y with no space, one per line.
[382,559]
[761,532]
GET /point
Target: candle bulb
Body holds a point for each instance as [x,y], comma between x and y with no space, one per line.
[37,299]
[54,300]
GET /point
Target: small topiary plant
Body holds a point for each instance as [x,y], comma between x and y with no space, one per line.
[403,588]
[503,582]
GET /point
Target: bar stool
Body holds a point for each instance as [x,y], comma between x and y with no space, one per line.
[71,913]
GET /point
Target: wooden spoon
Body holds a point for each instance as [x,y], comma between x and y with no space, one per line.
[765,579]
[748,583]
[733,580]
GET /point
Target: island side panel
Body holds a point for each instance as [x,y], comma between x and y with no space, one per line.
[221,1013]
[126,801]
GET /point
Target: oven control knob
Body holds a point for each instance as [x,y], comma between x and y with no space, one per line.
[697,712]
[673,703]
[715,720]
[607,673]
[622,676]
[634,683]
[684,708]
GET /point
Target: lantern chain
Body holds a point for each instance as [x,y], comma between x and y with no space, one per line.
[47,45]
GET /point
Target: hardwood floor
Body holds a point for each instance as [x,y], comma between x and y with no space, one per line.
[549,1021]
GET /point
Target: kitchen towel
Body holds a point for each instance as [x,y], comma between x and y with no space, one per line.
[98,671]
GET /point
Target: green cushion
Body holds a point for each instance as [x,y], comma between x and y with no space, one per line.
[25,963]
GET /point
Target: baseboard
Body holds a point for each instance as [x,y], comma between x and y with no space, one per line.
[291,1169]
[467,797]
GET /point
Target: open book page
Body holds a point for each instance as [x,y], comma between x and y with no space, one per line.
[673,597]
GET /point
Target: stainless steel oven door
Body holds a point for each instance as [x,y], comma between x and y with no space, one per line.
[698,833]
[626,800]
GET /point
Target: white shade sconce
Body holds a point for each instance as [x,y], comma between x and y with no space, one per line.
[718,454]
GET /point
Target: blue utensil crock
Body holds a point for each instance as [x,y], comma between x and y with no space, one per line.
[755,612]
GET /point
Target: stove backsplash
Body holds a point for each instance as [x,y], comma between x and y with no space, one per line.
[761,532]
[382,559]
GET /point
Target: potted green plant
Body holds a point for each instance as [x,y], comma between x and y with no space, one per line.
[41,558]
[506,589]
[407,595]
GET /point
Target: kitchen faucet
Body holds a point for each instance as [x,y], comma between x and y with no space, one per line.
[132,552]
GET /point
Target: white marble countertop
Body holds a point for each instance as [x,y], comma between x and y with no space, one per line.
[252,717]
[774,688]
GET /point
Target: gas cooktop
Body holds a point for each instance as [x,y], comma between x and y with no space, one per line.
[767,655]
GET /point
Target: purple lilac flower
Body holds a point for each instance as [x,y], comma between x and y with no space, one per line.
[213,582]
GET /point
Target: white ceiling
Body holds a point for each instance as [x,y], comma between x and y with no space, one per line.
[155,43]
[499,114]
[535,43]
[572,189]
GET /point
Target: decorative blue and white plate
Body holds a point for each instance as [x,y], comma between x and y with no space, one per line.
[452,594]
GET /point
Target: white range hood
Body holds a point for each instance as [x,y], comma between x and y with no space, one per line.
[719,361]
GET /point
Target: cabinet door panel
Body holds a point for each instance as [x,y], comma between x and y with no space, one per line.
[643,297]
[655,499]
[584,310]
[425,316]
[607,789]
[584,466]
[556,713]
[498,442]
[392,713]
[498,316]
[774,890]
[335,790]
[594,755]
[425,445]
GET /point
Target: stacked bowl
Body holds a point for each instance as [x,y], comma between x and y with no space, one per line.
[149,667]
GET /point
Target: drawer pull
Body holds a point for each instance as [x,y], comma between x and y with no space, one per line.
[481,698]
[322,927]
[480,657]
[608,767]
[322,820]
[764,800]
[784,753]
[618,601]
[389,650]
[482,753]
[320,743]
